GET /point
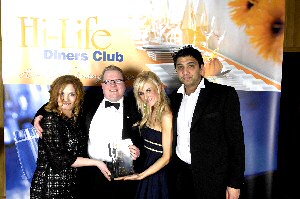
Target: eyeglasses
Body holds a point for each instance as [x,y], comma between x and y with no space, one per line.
[113,81]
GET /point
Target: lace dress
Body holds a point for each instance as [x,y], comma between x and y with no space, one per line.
[61,144]
[154,186]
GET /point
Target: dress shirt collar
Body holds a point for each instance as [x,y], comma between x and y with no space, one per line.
[200,85]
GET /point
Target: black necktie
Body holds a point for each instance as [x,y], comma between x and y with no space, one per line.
[109,104]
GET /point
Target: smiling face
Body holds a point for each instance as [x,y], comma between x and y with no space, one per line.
[149,94]
[113,91]
[66,99]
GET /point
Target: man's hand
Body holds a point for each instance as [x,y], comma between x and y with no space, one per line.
[232,193]
[37,126]
[134,152]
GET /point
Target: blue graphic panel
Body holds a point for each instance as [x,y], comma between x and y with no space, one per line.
[259,112]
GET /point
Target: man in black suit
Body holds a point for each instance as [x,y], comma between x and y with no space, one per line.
[209,153]
[108,115]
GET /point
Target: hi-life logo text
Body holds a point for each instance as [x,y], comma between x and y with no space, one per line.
[81,34]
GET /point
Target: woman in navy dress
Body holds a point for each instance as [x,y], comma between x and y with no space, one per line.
[156,129]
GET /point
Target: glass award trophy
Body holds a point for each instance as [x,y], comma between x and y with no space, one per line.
[122,163]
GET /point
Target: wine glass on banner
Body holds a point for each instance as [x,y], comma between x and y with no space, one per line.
[206,26]
[219,33]
[26,141]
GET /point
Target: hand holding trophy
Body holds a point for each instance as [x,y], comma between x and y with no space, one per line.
[122,163]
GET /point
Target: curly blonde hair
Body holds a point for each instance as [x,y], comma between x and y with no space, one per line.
[163,100]
[57,86]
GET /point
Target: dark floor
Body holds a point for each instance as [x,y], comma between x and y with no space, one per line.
[262,186]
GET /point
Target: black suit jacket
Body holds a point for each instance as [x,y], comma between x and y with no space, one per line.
[92,100]
[216,140]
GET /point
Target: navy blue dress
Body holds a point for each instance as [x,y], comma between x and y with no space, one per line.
[154,186]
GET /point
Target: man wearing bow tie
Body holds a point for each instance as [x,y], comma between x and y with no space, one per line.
[108,116]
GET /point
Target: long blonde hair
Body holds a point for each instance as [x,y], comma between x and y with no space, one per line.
[163,100]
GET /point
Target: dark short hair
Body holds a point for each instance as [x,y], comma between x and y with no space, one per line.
[188,50]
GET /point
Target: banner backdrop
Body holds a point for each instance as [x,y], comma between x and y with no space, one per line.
[45,39]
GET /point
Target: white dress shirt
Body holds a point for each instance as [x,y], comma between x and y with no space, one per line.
[106,127]
[184,120]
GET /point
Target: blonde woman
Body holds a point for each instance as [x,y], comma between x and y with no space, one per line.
[157,132]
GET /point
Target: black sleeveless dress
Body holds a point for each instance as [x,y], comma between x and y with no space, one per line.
[154,186]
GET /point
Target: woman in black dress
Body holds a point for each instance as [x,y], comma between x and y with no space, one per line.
[62,147]
[157,132]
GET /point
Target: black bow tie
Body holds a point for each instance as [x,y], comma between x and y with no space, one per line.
[109,104]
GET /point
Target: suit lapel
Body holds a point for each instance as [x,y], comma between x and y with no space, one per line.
[92,102]
[203,99]
[125,111]
[176,99]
